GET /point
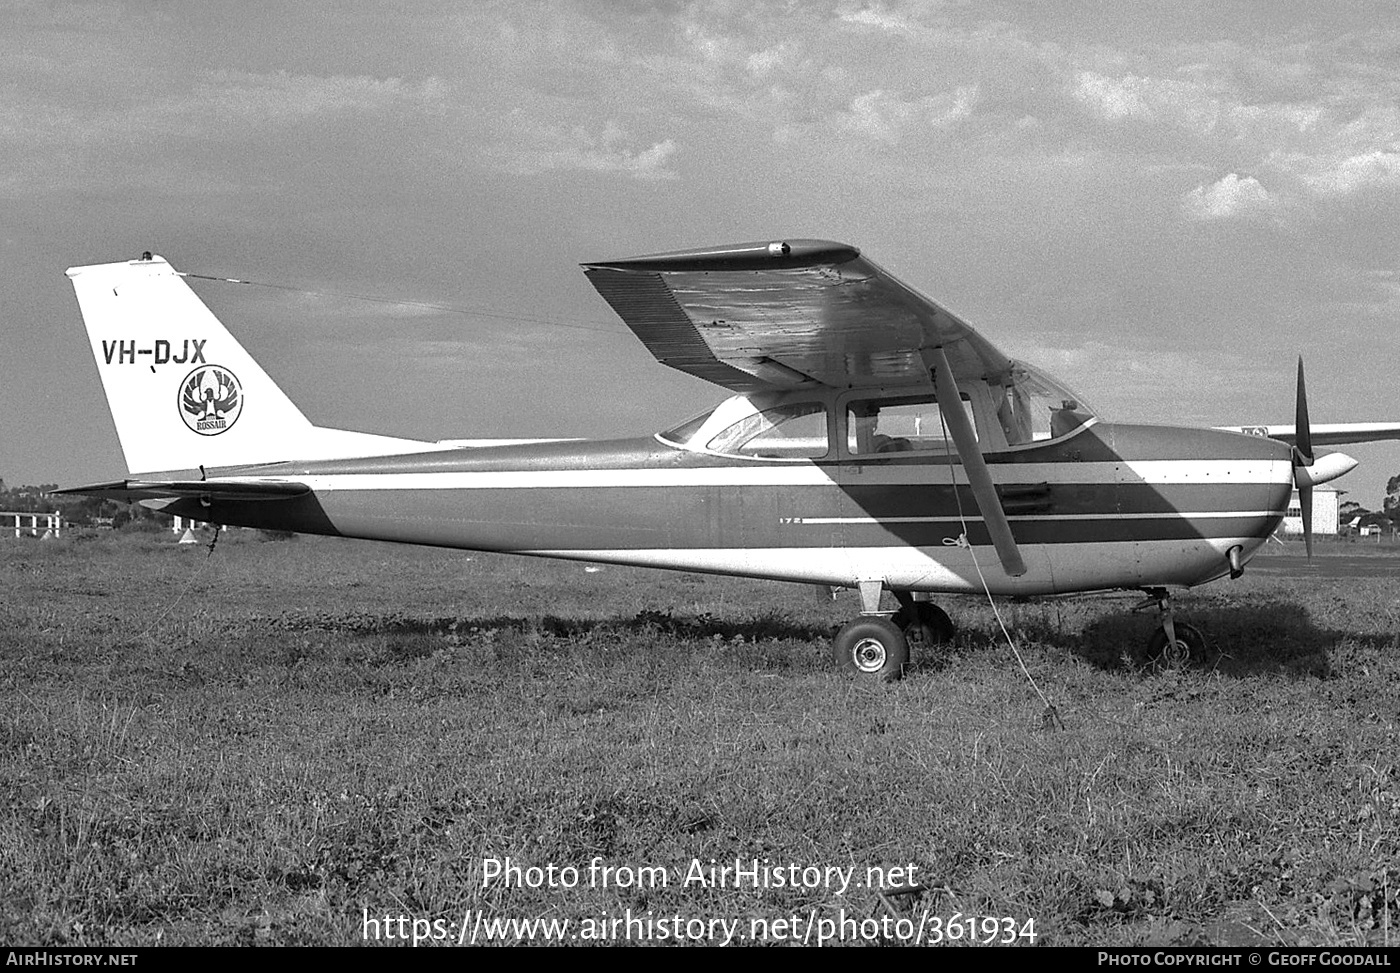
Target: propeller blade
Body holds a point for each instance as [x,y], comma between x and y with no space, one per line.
[1303,443]
[1305,498]
[1302,459]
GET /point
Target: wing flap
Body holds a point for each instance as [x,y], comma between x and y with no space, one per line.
[650,309]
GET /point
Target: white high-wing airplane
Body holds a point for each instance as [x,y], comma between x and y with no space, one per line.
[873,441]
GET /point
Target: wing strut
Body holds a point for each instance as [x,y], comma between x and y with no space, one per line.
[965,439]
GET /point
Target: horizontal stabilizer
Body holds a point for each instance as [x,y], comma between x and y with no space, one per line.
[130,491]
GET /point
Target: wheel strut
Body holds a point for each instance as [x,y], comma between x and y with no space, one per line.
[1173,643]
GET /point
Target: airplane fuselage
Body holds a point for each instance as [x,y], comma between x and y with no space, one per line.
[1112,506]
[872,439]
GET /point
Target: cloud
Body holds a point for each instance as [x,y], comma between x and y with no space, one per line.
[885,116]
[220,105]
[608,151]
[1228,196]
[1183,104]
[196,136]
[878,18]
[761,64]
[1336,136]
[1110,99]
[1126,382]
[1375,169]
[280,96]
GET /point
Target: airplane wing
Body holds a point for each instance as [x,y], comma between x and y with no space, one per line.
[802,313]
[1326,434]
[773,316]
[129,491]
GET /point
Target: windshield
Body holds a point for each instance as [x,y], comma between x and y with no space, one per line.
[1034,407]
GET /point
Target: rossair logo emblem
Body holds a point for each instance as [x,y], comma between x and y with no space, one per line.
[211,400]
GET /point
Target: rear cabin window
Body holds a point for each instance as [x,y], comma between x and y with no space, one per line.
[794,431]
[683,433]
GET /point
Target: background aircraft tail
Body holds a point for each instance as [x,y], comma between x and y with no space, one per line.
[183,393]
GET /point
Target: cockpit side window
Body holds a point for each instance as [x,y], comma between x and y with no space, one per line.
[796,430]
[908,424]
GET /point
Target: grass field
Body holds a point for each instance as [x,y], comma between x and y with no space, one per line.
[276,743]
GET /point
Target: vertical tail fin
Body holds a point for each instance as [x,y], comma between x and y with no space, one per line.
[182,391]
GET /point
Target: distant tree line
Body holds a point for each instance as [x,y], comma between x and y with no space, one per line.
[1391,504]
[1387,518]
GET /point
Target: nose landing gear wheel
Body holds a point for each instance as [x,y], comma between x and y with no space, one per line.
[1190,646]
[873,648]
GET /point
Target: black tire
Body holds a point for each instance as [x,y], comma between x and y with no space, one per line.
[1191,647]
[924,623]
[873,648]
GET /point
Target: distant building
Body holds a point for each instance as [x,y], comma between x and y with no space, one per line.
[1326,504]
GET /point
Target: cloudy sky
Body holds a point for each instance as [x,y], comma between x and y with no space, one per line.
[1161,208]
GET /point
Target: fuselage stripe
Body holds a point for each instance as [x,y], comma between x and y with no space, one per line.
[1173,515]
[1237,472]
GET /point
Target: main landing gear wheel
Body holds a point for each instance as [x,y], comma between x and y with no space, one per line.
[924,623]
[1190,646]
[873,647]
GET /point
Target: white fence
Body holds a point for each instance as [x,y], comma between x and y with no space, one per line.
[53,523]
